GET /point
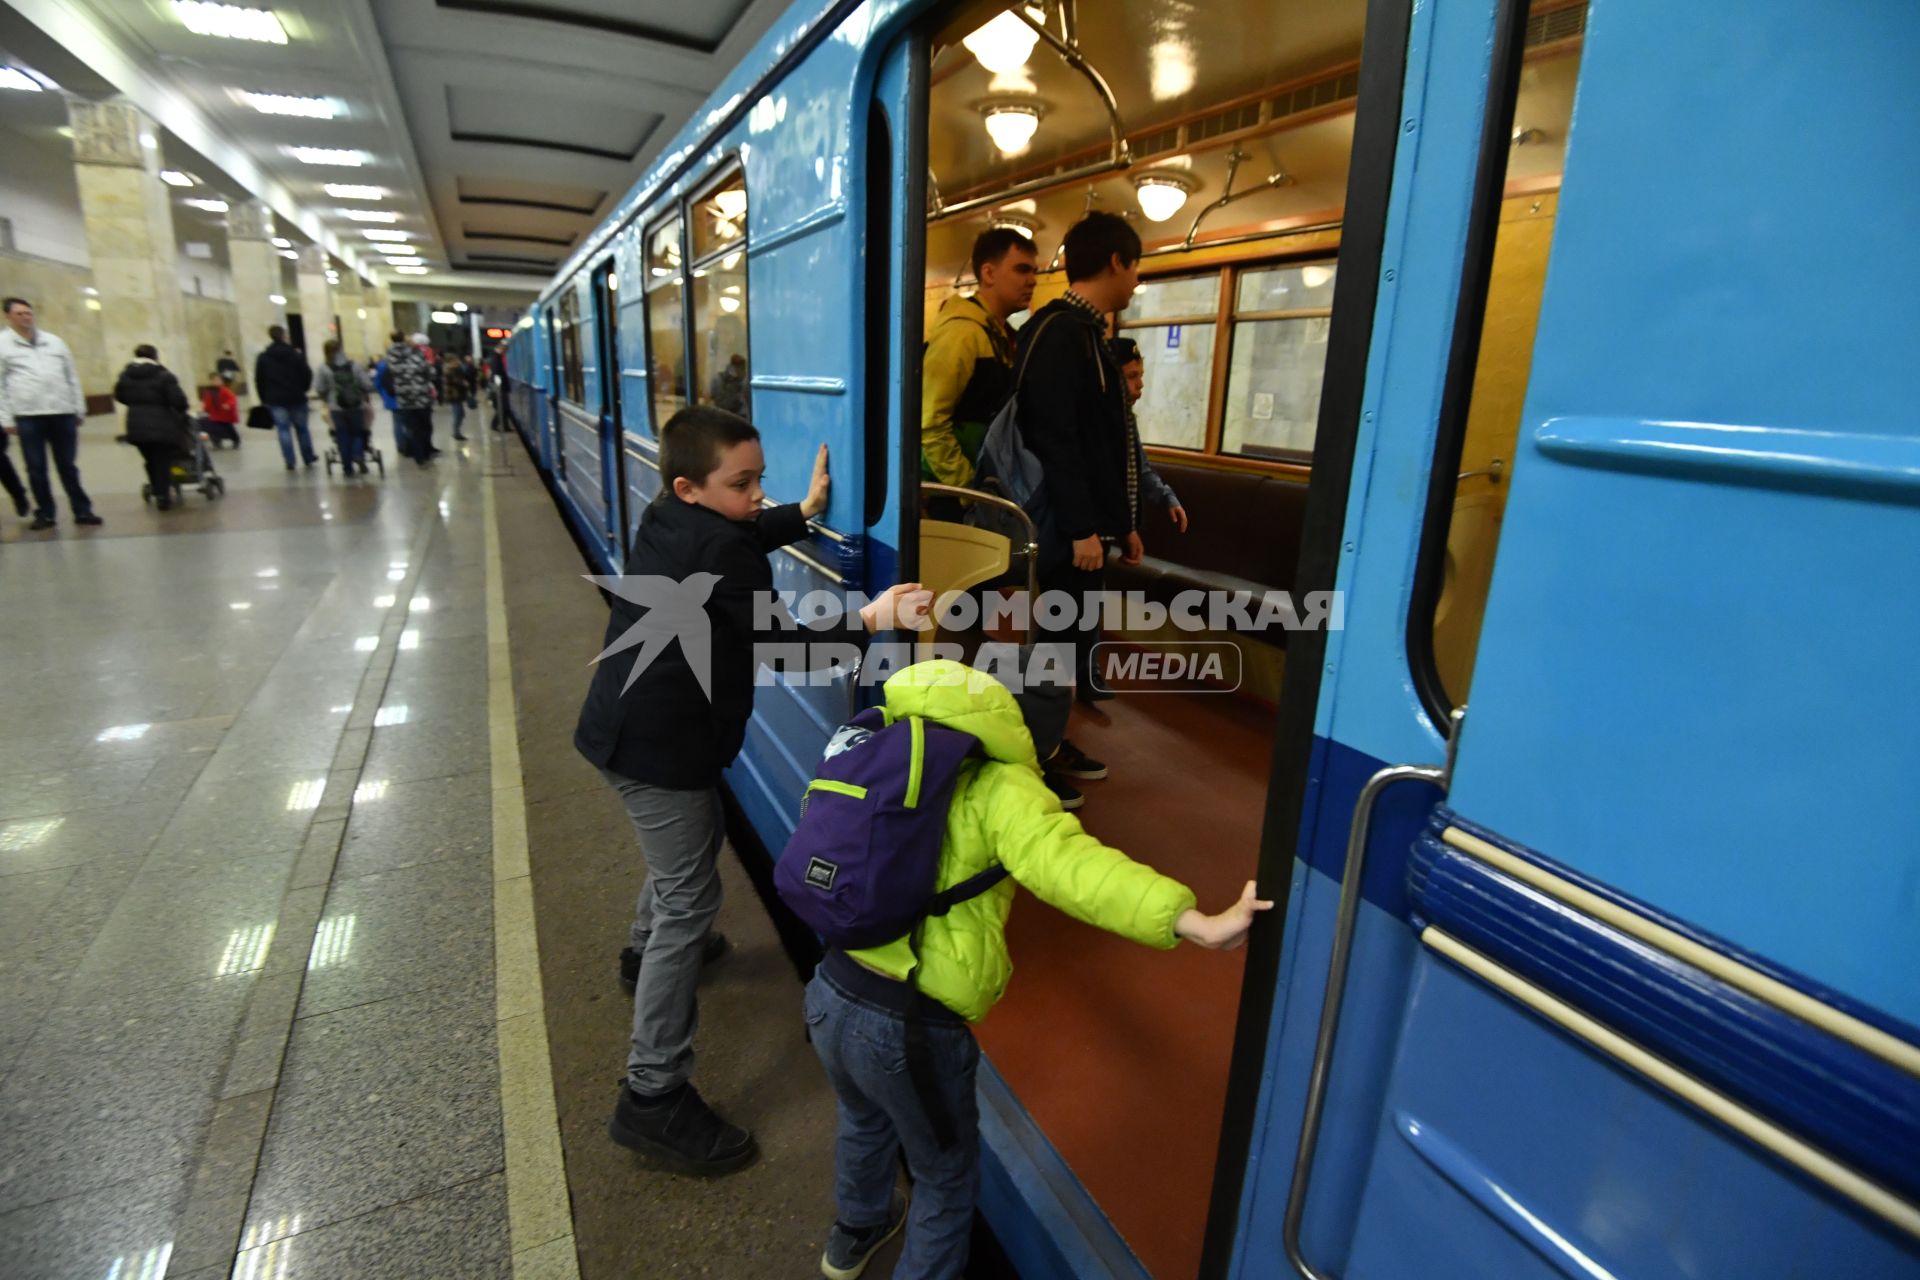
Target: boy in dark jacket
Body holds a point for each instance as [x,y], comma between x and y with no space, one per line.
[666,713]
[156,418]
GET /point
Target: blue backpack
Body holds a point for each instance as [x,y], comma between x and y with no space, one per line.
[862,864]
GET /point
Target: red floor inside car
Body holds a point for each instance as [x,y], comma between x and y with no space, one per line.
[1120,1052]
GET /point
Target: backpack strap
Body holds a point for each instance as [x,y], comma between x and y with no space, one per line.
[972,887]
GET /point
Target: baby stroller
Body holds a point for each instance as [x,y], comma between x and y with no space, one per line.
[191,469]
[369,453]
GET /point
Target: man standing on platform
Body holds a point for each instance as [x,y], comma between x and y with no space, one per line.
[281,378]
[40,397]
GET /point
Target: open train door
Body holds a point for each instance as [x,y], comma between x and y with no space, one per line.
[1637,997]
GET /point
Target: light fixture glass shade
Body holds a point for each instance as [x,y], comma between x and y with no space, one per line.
[459,306]
[1315,276]
[1161,198]
[731,203]
[1002,44]
[277,299]
[175,178]
[445,317]
[1012,128]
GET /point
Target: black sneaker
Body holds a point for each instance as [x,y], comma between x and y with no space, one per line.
[716,946]
[41,522]
[88,519]
[1070,797]
[849,1249]
[1075,763]
[682,1131]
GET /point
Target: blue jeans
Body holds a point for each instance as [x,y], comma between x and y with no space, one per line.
[350,436]
[863,1048]
[289,420]
[459,415]
[61,433]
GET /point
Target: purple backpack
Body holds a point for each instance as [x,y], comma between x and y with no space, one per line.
[861,867]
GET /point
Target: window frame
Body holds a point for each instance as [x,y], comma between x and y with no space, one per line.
[681,207]
[1227,275]
[648,230]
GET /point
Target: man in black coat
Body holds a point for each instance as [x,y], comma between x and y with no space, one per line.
[281,377]
[1073,415]
[156,418]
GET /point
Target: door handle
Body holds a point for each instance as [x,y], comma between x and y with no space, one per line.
[1349,913]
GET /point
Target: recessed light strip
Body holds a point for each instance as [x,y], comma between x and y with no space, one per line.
[230,21]
[287,104]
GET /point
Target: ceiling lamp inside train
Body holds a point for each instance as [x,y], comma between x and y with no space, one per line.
[1162,194]
[1011,123]
[1004,43]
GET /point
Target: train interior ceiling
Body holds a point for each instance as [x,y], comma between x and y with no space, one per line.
[1238,125]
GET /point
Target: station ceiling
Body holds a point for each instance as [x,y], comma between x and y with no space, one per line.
[497,133]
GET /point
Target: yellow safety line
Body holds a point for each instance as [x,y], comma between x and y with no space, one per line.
[1845,1026]
[1808,1159]
[539,1213]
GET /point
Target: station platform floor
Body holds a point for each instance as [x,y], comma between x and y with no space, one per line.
[283,992]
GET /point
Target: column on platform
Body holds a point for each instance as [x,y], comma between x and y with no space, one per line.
[316,302]
[255,264]
[129,227]
[349,303]
[379,322]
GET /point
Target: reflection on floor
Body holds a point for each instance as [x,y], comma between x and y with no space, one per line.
[1120,1052]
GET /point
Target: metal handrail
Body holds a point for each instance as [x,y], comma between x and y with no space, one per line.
[1493,471]
[1119,154]
[1031,551]
[1349,915]
[1229,195]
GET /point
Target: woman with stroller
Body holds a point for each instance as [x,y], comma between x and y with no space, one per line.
[347,391]
[156,418]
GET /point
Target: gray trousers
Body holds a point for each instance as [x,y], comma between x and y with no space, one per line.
[680,837]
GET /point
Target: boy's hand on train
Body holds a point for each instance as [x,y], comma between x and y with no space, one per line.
[905,606]
[1179,517]
[1227,930]
[816,500]
[1134,550]
[1088,553]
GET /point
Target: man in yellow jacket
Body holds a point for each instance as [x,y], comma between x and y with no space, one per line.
[967,372]
[891,1023]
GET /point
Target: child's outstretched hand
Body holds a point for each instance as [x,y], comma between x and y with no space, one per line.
[816,500]
[1227,930]
[904,605]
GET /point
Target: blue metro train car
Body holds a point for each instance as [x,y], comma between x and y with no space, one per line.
[1616,974]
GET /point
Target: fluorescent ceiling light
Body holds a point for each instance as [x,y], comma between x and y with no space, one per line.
[287,104]
[411,271]
[347,191]
[281,242]
[370,215]
[1002,44]
[230,21]
[459,306]
[277,299]
[211,206]
[290,255]
[445,317]
[327,155]
[175,178]
[408,261]
[15,78]
[384,235]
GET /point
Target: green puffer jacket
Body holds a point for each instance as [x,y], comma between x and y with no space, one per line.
[1003,813]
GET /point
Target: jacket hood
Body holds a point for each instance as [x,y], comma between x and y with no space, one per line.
[145,371]
[959,310]
[959,697]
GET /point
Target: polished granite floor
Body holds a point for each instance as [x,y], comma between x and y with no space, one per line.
[247,1001]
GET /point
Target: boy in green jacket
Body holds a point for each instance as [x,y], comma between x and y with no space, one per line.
[891,1023]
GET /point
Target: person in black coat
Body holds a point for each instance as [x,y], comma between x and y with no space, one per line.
[667,711]
[156,418]
[1073,416]
[281,378]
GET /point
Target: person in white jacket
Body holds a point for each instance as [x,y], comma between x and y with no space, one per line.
[40,398]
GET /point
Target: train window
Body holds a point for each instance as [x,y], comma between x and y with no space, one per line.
[1173,320]
[720,217]
[666,323]
[1480,413]
[719,283]
[573,384]
[1279,355]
